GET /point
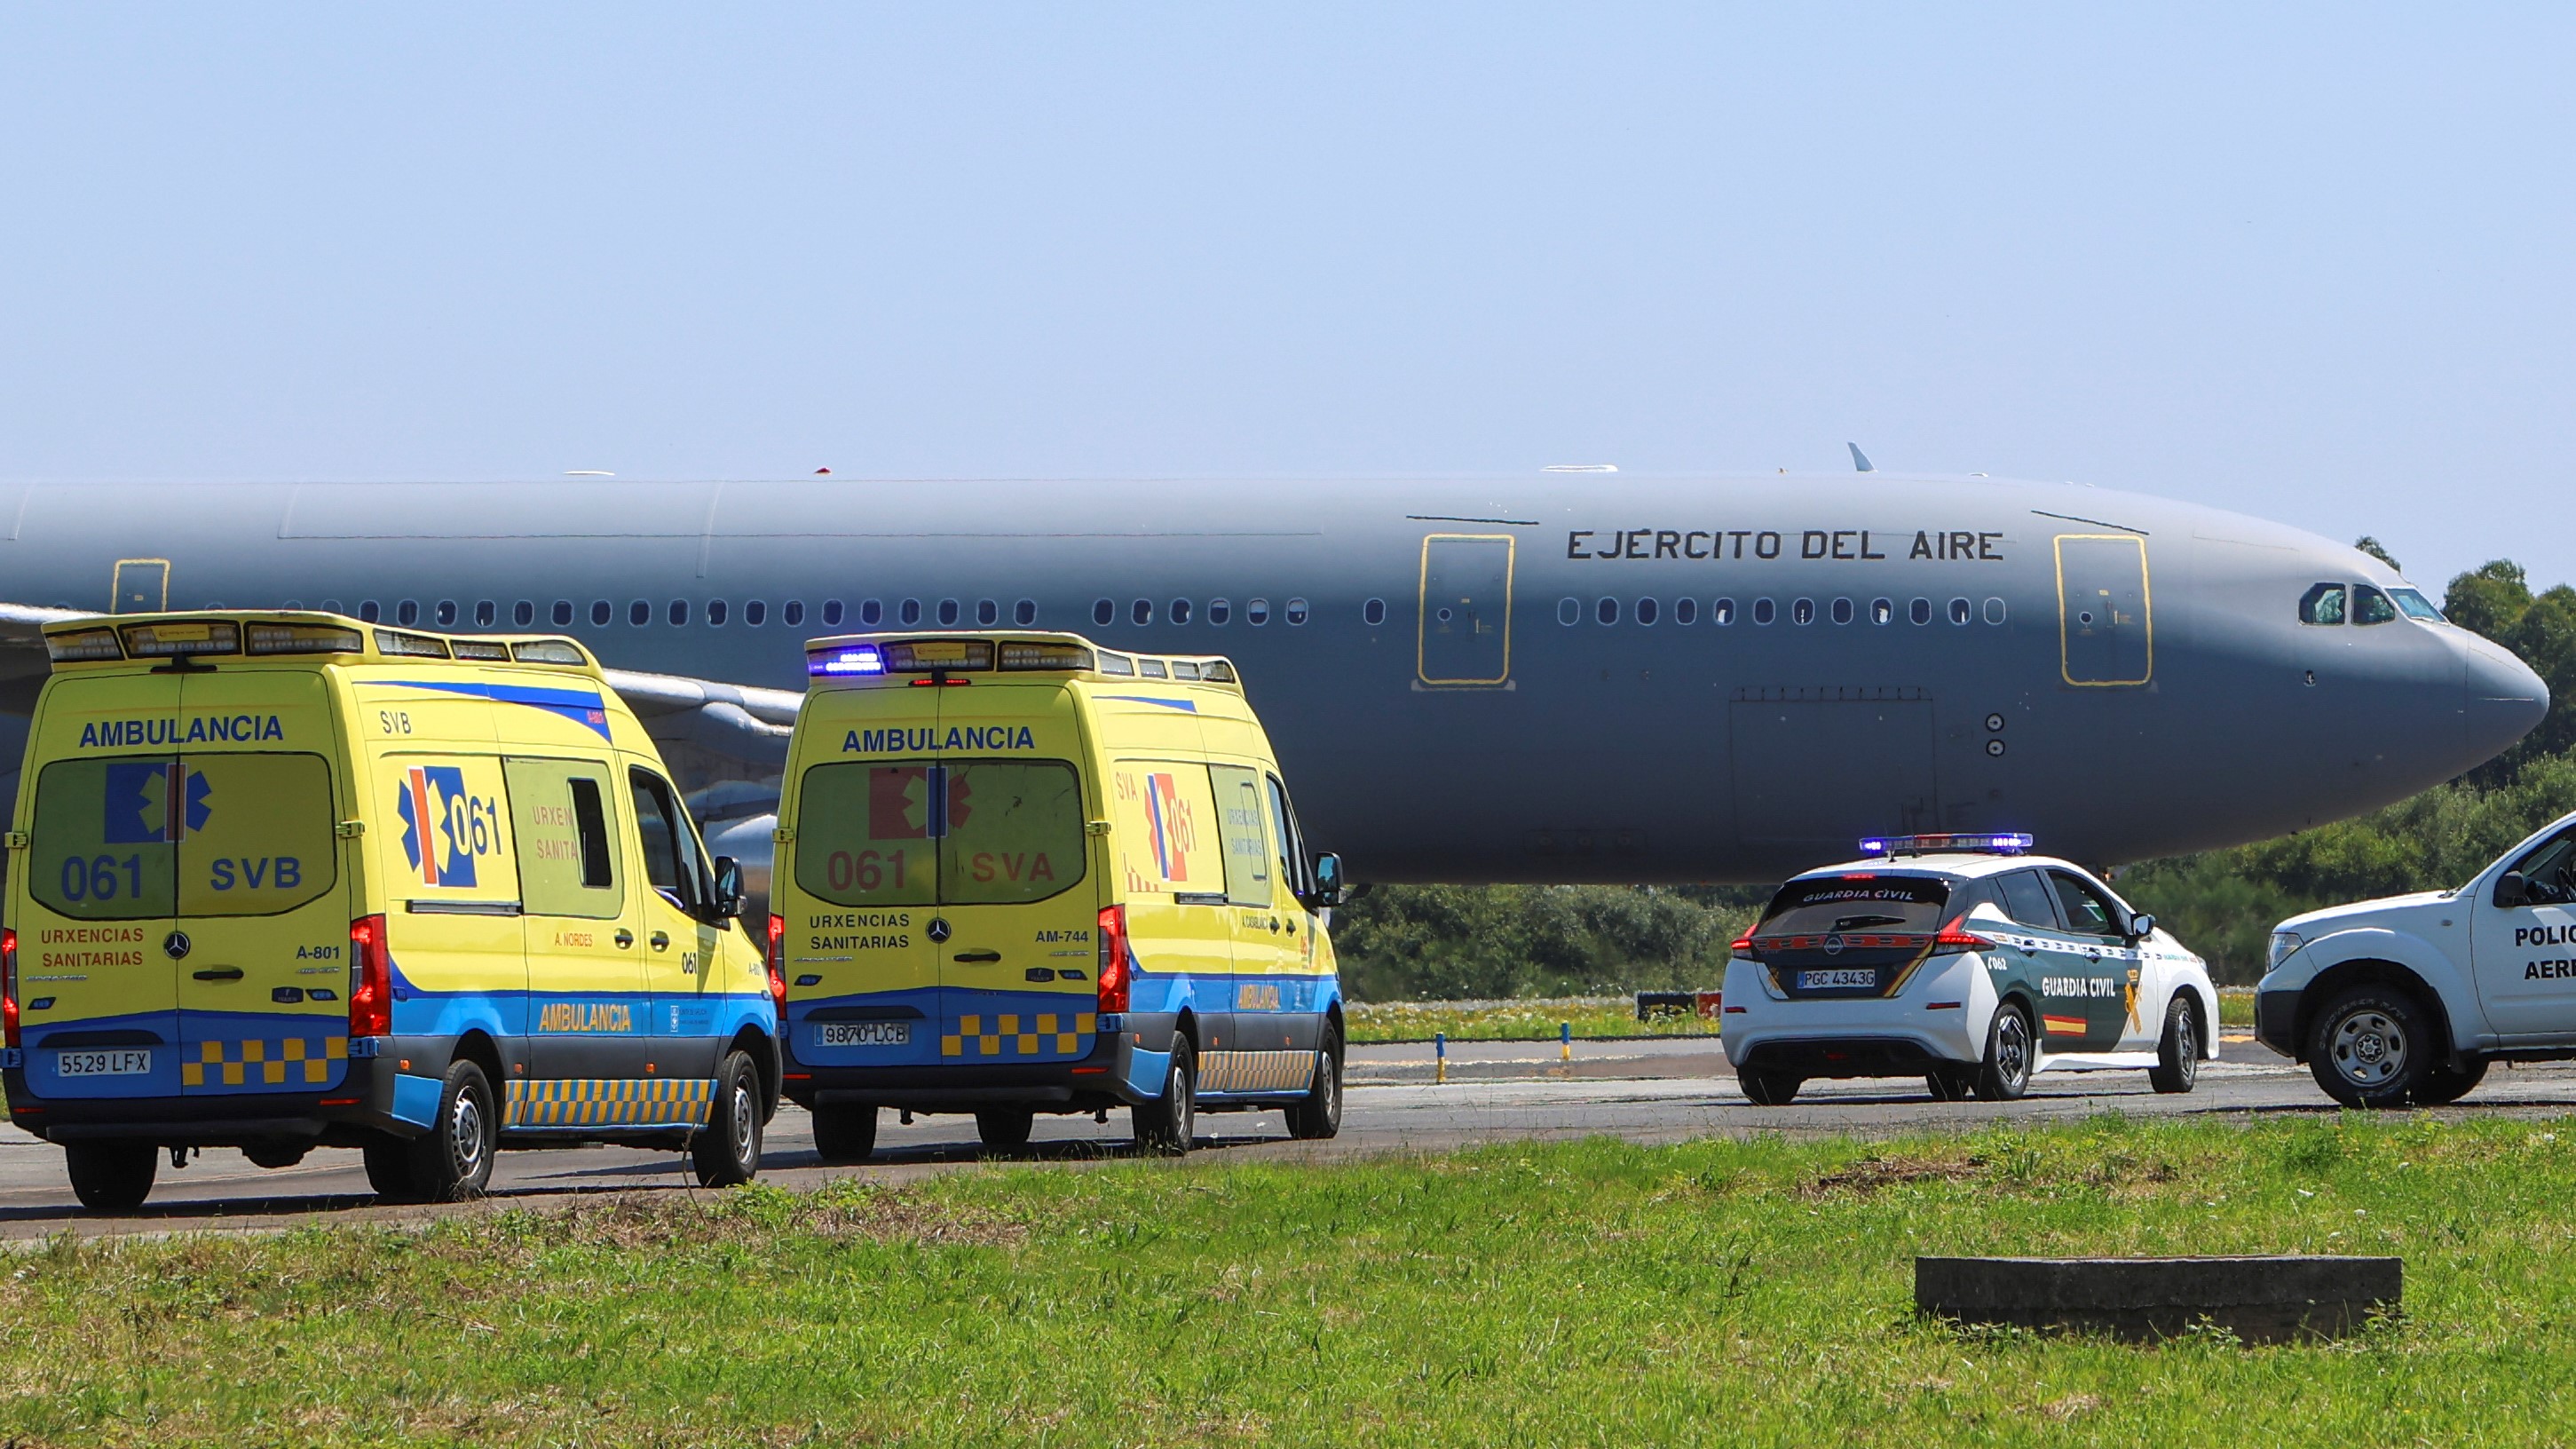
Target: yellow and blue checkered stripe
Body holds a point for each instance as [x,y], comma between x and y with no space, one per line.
[1045,1034]
[262,1062]
[1256,1071]
[630,1102]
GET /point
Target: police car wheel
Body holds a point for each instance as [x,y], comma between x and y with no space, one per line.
[2370,1047]
[1004,1129]
[2005,1073]
[1769,1089]
[1951,1086]
[1319,1114]
[111,1177]
[727,1152]
[452,1161]
[2177,1065]
[844,1135]
[2446,1084]
[1165,1125]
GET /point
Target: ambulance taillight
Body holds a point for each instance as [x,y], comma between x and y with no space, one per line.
[9,986]
[1115,977]
[371,979]
[776,958]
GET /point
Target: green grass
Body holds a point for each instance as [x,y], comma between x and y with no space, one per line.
[1395,1021]
[1753,1292]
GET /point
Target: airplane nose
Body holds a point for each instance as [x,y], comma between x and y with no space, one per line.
[2504,699]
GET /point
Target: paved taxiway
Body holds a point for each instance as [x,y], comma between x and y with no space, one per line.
[1644,1091]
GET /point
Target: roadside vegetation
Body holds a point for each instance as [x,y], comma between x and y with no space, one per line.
[1717,1292]
[1401,943]
[1593,1018]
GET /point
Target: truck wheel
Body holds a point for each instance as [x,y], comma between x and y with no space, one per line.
[2005,1073]
[2370,1047]
[452,1161]
[727,1152]
[111,1177]
[2446,1084]
[2178,1050]
[1769,1089]
[1319,1115]
[844,1136]
[1165,1125]
[1004,1129]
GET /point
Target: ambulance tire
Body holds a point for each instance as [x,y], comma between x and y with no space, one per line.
[276,1154]
[452,1161]
[2005,1073]
[1165,1125]
[1319,1114]
[111,1177]
[727,1152]
[2177,1065]
[389,1169]
[844,1136]
[1004,1129]
[1769,1089]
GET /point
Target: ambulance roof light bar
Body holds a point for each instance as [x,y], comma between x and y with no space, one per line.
[272,633]
[1991,842]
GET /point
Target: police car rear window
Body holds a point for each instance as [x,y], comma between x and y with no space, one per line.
[197,835]
[1855,904]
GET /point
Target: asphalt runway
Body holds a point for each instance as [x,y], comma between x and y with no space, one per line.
[1663,1090]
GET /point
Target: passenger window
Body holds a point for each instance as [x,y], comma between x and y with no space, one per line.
[832,613]
[1295,613]
[567,851]
[717,612]
[987,613]
[370,611]
[1764,611]
[563,613]
[524,613]
[2088,912]
[640,613]
[2370,606]
[863,834]
[1882,611]
[1685,611]
[1143,612]
[1722,612]
[1180,611]
[2026,900]
[1014,832]
[948,613]
[755,613]
[672,863]
[1920,611]
[1647,611]
[2321,604]
[486,614]
[1569,612]
[1842,611]
[679,613]
[1373,613]
[446,613]
[1802,611]
[1025,612]
[1219,610]
[909,614]
[2548,873]
[871,612]
[1104,613]
[1960,612]
[792,613]
[601,611]
[1247,842]
[1607,611]
[1994,611]
[1257,612]
[407,612]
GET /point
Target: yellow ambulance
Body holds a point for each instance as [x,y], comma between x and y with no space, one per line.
[1019,873]
[281,880]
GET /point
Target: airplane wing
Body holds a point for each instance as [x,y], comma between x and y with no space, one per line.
[726,745]
[23,662]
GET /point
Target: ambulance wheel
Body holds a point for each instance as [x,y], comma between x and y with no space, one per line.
[1769,1089]
[111,1177]
[2178,1050]
[2371,1047]
[1004,1129]
[452,1161]
[1951,1086]
[727,1153]
[1165,1125]
[389,1169]
[2005,1073]
[2445,1084]
[1319,1115]
[844,1136]
[276,1154]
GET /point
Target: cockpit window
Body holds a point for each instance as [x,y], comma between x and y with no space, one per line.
[2415,604]
[2321,604]
[2370,606]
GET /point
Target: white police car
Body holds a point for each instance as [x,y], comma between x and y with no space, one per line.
[2406,1000]
[1961,960]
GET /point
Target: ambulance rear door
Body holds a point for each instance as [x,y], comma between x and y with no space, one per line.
[99,883]
[862,972]
[261,945]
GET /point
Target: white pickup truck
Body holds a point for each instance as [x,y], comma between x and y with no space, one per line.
[2406,1000]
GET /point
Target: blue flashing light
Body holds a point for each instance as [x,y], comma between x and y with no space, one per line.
[864,659]
[1992,842]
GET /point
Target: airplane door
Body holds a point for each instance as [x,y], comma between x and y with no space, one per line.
[142,586]
[2105,624]
[1465,621]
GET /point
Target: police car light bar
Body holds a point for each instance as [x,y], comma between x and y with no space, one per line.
[859,659]
[2007,842]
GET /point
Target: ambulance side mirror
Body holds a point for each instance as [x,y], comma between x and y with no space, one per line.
[1328,882]
[728,888]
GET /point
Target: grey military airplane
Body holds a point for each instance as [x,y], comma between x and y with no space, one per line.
[1569,677]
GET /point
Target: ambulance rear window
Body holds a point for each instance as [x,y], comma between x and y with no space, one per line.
[1828,904]
[915,832]
[238,835]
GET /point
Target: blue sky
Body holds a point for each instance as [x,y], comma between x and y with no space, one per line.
[2312,262]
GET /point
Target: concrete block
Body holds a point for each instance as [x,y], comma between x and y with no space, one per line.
[2260,1299]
